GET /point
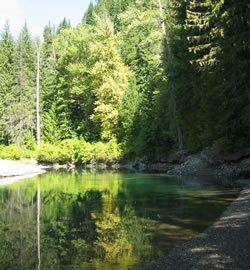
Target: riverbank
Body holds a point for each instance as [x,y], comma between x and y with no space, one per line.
[225,245]
[204,163]
[13,171]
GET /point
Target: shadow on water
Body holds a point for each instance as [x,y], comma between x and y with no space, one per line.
[102,221]
[225,245]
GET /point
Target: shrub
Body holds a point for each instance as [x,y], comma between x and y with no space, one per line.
[105,152]
[100,152]
[11,152]
[47,153]
[85,154]
[68,149]
[114,149]
[76,151]
[29,142]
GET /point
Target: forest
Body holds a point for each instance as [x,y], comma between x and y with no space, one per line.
[135,78]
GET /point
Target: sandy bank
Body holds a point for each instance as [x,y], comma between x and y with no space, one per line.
[13,171]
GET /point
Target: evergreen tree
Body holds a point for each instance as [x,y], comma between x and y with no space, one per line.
[20,118]
[7,78]
[144,72]
[48,87]
[88,17]
[64,24]
[142,48]
[232,129]
[75,99]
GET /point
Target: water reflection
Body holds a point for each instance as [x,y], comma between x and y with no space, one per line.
[101,221]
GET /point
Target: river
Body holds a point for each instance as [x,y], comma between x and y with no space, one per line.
[103,221]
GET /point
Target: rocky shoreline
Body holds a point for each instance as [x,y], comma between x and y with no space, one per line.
[182,163]
[205,163]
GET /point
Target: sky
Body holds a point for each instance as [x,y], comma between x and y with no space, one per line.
[37,13]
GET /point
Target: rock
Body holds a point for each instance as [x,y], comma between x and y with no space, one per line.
[101,166]
[193,165]
[179,157]
[236,156]
[58,166]
[138,164]
[159,166]
[210,157]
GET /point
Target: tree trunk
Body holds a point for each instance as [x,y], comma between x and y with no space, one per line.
[38,128]
[38,226]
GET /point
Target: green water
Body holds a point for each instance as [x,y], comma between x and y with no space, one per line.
[106,221]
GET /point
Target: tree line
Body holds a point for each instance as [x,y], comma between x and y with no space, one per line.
[152,75]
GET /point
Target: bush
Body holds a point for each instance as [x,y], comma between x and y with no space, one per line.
[67,150]
[47,153]
[29,142]
[11,152]
[114,150]
[105,152]
[75,151]
[85,154]
[100,152]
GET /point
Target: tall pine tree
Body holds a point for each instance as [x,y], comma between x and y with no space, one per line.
[21,112]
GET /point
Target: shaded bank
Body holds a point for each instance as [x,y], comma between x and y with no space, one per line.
[204,163]
[225,245]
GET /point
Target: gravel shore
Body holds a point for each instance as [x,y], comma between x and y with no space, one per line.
[12,171]
[225,245]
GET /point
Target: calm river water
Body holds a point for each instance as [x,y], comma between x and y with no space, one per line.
[102,221]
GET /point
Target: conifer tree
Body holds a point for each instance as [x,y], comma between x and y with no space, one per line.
[232,75]
[48,86]
[75,99]
[64,24]
[7,78]
[142,48]
[88,17]
[20,118]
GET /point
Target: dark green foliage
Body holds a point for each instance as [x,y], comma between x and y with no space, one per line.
[218,52]
[88,17]
[64,24]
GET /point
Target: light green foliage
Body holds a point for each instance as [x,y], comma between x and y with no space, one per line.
[11,152]
[48,153]
[107,151]
[78,151]
[110,77]
[29,142]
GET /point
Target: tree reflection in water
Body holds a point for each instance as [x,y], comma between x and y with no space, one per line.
[99,221]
